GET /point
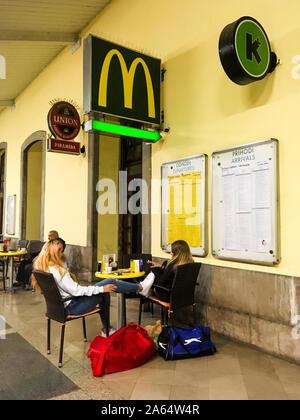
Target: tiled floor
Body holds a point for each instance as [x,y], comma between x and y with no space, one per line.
[235,372]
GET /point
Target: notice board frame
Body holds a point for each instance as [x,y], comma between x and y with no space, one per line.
[266,252]
[201,160]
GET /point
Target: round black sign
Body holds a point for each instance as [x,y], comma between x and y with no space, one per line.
[245,51]
[64,121]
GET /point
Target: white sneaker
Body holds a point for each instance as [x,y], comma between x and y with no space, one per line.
[111,331]
[147,284]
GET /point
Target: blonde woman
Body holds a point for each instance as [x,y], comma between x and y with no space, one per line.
[165,273]
[52,260]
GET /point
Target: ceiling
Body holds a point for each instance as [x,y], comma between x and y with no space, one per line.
[27,27]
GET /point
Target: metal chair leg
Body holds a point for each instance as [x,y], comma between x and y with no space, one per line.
[48,335]
[162,315]
[194,313]
[140,311]
[124,309]
[4,277]
[61,345]
[84,329]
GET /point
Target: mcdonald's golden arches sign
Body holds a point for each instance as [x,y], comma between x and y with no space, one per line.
[121,82]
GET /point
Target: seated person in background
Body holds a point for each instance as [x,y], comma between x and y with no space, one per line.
[53,234]
[52,260]
[25,267]
[165,273]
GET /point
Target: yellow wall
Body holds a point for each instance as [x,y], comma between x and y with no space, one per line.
[66,175]
[34,191]
[205,110]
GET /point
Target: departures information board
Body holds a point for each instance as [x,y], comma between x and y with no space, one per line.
[183,203]
[245,203]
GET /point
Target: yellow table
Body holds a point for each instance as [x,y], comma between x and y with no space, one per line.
[123,276]
[120,301]
[10,255]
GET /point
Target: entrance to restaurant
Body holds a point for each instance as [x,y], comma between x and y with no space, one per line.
[2,186]
[32,190]
[130,225]
[120,169]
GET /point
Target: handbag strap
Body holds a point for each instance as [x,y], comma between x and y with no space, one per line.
[98,370]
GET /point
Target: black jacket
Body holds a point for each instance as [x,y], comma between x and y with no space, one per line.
[164,276]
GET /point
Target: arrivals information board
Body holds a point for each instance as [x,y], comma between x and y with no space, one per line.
[244,203]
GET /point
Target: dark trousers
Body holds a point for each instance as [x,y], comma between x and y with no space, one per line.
[24,272]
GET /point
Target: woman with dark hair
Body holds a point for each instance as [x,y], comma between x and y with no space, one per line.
[165,273]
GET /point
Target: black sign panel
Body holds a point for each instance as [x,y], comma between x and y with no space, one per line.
[121,82]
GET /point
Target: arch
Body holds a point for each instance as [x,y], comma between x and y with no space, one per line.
[33,138]
[3,146]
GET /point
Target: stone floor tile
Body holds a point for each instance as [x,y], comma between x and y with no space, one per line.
[150,391]
[187,393]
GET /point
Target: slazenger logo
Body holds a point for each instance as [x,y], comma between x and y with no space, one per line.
[2,67]
[164,346]
[128,79]
[191,340]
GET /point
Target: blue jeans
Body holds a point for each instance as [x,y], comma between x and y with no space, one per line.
[82,304]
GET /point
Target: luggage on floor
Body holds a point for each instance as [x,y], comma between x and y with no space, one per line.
[126,349]
[182,343]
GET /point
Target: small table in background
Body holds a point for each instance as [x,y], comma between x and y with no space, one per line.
[10,255]
[125,277]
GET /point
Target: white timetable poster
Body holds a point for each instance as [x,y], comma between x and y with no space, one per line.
[244,203]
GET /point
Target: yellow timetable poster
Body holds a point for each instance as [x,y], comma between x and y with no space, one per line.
[184,215]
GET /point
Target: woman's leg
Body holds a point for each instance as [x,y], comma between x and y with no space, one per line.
[126,287]
[83,304]
[122,286]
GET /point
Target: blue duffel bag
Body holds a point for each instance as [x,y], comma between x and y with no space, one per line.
[182,343]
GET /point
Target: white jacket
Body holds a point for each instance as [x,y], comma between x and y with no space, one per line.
[68,287]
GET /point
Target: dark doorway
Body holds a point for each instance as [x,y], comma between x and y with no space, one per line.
[2,189]
[130,225]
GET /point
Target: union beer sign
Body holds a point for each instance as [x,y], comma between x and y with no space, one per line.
[121,82]
[64,121]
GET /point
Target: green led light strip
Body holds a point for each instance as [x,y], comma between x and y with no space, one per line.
[126,131]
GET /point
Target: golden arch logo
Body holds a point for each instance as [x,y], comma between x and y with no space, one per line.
[121,82]
[128,80]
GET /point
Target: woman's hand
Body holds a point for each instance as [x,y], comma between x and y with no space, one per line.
[108,288]
[154,264]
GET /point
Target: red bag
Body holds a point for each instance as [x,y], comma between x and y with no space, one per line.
[127,348]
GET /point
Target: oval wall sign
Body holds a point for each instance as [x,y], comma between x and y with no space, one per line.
[245,51]
[64,121]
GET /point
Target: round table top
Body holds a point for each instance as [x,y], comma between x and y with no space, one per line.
[12,253]
[118,276]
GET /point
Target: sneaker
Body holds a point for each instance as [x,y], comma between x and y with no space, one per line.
[147,284]
[18,284]
[111,331]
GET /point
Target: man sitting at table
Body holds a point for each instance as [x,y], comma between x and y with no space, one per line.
[25,267]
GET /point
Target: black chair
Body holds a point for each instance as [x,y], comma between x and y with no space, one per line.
[146,268]
[55,309]
[181,294]
[22,243]
[34,247]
